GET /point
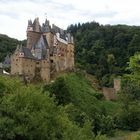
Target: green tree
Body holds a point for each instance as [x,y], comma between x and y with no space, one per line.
[60,90]
[134,64]
[129,115]
[32,115]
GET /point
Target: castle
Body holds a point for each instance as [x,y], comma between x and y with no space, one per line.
[49,49]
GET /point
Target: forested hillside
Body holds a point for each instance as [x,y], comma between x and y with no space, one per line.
[104,50]
[7,46]
[70,108]
[55,112]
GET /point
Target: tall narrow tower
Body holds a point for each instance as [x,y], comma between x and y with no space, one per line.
[33,32]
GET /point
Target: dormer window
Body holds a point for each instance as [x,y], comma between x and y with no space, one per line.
[21,54]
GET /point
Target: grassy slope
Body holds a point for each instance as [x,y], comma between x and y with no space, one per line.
[83,94]
[81,91]
[125,135]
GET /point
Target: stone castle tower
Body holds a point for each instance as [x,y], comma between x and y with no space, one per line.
[49,50]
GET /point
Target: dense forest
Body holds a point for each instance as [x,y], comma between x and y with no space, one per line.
[70,108]
[7,46]
[104,50]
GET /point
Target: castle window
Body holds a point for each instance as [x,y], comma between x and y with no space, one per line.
[51,61]
[16,59]
[37,63]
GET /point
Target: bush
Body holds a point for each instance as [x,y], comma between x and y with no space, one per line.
[60,90]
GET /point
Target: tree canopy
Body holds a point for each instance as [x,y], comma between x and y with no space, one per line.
[104,50]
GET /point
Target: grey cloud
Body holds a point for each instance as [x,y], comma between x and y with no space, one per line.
[9,14]
[131,21]
[60,6]
[105,14]
[108,14]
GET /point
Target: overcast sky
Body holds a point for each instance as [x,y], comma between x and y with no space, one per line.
[14,14]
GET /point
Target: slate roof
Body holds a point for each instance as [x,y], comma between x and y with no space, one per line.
[30,23]
[46,26]
[63,34]
[27,52]
[45,41]
[7,60]
[40,48]
[41,43]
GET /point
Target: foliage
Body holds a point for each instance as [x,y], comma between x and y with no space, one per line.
[60,90]
[101,137]
[27,113]
[82,102]
[129,115]
[134,63]
[137,136]
[7,46]
[104,124]
[104,50]
[2,89]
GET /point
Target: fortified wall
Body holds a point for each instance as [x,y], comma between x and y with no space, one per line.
[111,93]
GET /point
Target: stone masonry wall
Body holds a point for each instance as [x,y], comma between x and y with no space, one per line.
[45,70]
[109,93]
[117,84]
[32,37]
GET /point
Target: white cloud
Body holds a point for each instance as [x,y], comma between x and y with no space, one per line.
[14,14]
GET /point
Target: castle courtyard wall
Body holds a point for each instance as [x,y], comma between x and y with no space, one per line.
[45,70]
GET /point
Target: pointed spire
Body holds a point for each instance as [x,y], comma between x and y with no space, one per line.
[36,25]
[46,26]
[30,25]
[47,22]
